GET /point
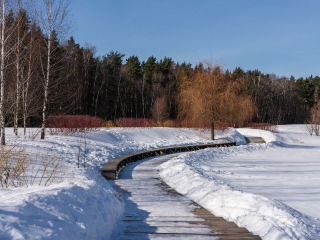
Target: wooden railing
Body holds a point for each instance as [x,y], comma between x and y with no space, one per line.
[112,168]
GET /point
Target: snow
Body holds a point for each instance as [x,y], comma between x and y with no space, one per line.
[271,189]
[84,207]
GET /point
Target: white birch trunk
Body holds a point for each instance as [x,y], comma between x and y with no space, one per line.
[16,112]
[2,118]
[25,97]
[43,127]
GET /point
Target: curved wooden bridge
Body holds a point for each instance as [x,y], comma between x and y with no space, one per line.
[112,168]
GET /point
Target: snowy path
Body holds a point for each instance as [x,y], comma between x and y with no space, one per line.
[155,211]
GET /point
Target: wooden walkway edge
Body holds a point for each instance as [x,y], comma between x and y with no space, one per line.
[112,168]
[227,230]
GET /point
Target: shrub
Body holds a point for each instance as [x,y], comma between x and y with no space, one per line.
[13,166]
[135,123]
[222,126]
[168,123]
[159,110]
[313,123]
[109,124]
[200,124]
[177,123]
[313,129]
[263,126]
[69,124]
[191,123]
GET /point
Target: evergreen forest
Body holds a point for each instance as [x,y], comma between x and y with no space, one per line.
[115,85]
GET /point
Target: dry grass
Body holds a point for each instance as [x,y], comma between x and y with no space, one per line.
[13,166]
[18,168]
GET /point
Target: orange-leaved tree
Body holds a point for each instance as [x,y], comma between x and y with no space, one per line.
[210,94]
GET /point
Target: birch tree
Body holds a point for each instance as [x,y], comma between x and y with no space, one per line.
[3,20]
[52,16]
[6,32]
[20,34]
[30,90]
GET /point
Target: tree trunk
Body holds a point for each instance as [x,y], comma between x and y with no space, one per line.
[25,97]
[2,118]
[142,98]
[25,90]
[93,111]
[212,130]
[117,103]
[16,112]
[43,127]
[136,102]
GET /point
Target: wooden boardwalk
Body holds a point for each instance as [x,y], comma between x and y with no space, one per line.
[112,168]
[153,210]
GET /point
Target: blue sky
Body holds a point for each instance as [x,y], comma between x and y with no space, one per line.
[274,36]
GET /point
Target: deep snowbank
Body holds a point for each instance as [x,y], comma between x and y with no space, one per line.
[86,207]
[204,176]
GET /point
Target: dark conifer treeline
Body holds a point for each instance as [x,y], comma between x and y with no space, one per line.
[117,86]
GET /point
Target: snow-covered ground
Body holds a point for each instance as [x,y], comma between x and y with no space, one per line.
[271,189]
[85,207]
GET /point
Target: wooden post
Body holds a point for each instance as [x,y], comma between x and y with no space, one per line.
[212,130]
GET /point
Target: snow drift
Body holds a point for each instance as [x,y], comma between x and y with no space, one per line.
[205,177]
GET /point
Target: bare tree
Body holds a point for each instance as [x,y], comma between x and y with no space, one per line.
[30,86]
[20,34]
[160,111]
[122,70]
[6,33]
[53,19]
[3,20]
[313,124]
